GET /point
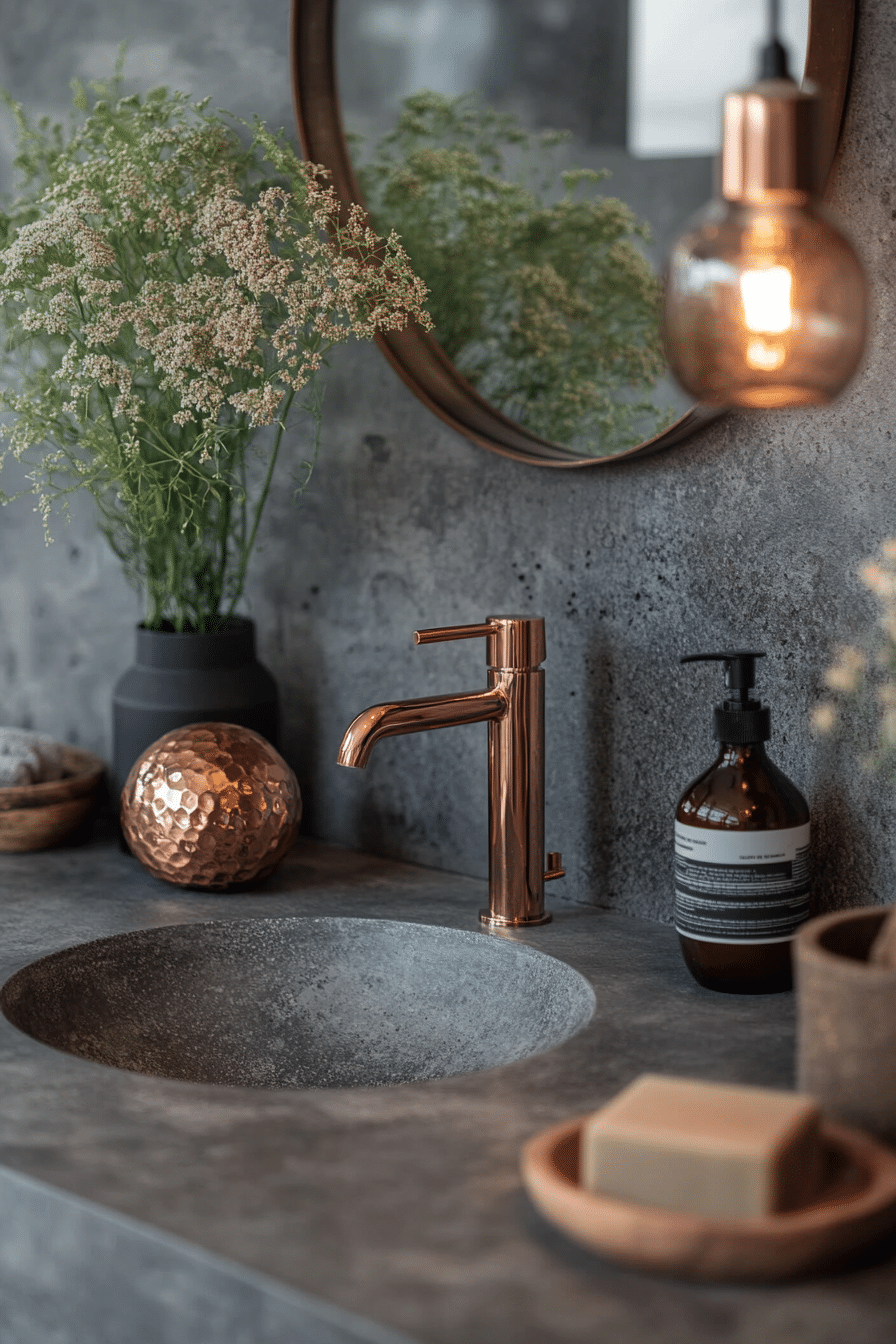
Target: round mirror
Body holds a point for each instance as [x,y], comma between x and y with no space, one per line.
[537,157]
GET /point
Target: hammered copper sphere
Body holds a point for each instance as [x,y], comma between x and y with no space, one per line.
[211,805]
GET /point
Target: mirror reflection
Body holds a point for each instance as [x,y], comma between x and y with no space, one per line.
[537,157]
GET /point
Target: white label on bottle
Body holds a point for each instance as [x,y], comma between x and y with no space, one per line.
[741,886]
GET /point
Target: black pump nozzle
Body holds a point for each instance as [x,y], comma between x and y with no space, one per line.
[739,720]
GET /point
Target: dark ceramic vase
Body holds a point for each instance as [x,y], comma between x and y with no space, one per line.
[189,678]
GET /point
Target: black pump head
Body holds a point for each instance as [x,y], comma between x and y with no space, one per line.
[740,669]
[739,720]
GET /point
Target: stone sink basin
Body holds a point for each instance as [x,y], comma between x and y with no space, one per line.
[300,1002]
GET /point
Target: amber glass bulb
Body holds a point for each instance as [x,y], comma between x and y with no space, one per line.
[765,298]
[765,306]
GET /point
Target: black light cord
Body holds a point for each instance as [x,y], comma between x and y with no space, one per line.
[773,59]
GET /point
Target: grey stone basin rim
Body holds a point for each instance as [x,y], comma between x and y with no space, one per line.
[300,1002]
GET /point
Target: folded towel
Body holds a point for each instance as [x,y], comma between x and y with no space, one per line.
[28,758]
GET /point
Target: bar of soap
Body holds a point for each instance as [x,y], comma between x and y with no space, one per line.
[705,1148]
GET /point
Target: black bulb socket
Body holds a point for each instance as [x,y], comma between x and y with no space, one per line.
[773,61]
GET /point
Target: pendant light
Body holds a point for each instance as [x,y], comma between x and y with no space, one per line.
[765,301]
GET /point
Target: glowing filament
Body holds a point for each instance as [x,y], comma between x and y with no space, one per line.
[765,355]
[766,300]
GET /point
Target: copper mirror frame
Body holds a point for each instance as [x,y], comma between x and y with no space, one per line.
[415,355]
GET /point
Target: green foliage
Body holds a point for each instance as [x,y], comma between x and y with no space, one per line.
[547,306]
[171,280]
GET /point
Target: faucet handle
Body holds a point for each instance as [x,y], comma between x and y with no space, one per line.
[453,632]
[514,642]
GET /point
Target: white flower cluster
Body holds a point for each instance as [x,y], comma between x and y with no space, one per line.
[856,671]
[166,290]
[166,277]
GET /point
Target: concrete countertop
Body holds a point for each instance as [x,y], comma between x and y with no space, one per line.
[402,1204]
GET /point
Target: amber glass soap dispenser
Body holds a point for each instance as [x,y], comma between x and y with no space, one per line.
[741,850]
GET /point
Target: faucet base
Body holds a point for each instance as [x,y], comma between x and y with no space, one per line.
[500,922]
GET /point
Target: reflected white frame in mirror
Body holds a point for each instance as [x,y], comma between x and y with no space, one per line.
[684,58]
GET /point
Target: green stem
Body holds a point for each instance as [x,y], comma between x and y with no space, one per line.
[247,547]
[223,534]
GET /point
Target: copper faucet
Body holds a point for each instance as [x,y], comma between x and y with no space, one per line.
[513,706]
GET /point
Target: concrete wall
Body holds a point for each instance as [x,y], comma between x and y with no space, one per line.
[750,533]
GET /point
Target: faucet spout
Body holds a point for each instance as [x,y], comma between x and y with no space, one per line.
[418,716]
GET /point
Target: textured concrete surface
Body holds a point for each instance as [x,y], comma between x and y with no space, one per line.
[749,534]
[72,1272]
[402,1204]
[299,1002]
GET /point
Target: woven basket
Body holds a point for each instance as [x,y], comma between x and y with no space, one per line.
[39,816]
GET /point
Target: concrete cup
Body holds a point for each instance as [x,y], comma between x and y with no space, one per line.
[846,1020]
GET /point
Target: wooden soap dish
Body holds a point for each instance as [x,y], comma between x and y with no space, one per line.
[38,816]
[856,1208]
